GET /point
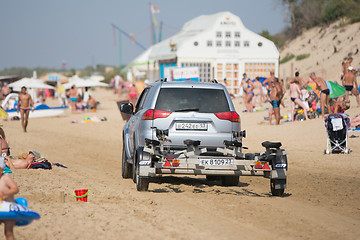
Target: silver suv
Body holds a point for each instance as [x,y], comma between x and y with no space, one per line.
[185,128]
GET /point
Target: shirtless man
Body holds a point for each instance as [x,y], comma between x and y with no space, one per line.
[276,94]
[267,81]
[25,103]
[349,80]
[243,84]
[73,95]
[325,93]
[19,163]
[295,99]
[92,103]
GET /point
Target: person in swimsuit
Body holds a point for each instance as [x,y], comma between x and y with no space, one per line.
[349,80]
[133,93]
[243,85]
[249,95]
[257,92]
[25,103]
[276,94]
[324,95]
[73,96]
[295,99]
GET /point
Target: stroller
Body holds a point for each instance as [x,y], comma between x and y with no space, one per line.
[336,125]
[309,99]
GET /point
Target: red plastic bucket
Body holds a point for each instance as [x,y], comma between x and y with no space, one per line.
[81,194]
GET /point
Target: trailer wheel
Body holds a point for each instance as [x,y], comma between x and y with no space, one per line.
[126,167]
[142,183]
[276,192]
[212,178]
[229,180]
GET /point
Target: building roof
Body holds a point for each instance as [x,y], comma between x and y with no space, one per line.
[192,40]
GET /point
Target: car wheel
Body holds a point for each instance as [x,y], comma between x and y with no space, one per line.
[229,180]
[126,167]
[275,192]
[142,183]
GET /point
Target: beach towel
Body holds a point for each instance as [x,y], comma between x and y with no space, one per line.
[337,124]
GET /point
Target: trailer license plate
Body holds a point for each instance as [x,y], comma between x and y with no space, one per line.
[217,162]
[191,126]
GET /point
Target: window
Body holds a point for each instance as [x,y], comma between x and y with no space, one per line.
[228,34]
[205,100]
[218,43]
[209,43]
[259,44]
[227,44]
[237,43]
[141,100]
[237,34]
[246,44]
[196,43]
[218,34]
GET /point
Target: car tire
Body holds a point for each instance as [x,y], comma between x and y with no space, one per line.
[126,167]
[142,183]
[275,192]
[229,180]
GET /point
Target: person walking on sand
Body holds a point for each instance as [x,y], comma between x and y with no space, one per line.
[325,93]
[295,99]
[8,189]
[133,93]
[73,95]
[349,80]
[25,103]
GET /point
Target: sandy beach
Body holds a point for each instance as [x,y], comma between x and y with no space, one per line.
[321,201]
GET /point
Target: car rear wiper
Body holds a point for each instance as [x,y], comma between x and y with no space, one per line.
[187,110]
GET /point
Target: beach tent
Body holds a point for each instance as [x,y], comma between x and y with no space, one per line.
[31,83]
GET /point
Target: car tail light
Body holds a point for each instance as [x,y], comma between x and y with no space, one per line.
[231,116]
[152,114]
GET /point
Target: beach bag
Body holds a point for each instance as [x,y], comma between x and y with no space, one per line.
[40,163]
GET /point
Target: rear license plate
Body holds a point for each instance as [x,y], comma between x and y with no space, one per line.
[191,126]
[217,162]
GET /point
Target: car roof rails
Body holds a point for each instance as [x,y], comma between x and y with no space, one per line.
[161,80]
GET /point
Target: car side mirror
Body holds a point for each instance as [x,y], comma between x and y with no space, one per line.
[127,108]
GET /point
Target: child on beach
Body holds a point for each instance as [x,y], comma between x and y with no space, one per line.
[8,189]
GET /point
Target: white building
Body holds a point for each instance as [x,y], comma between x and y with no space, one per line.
[221,47]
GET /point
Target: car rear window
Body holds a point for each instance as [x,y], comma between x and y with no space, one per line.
[192,99]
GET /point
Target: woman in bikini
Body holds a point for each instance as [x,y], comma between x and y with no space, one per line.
[295,99]
[249,96]
[133,93]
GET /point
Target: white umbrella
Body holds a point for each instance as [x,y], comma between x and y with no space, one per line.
[31,83]
[80,83]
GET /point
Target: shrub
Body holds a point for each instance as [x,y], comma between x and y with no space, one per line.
[302,56]
[287,58]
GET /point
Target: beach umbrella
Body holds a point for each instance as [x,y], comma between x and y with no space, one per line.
[80,83]
[336,90]
[31,83]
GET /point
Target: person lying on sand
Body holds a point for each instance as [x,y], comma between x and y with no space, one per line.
[355,122]
[23,162]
